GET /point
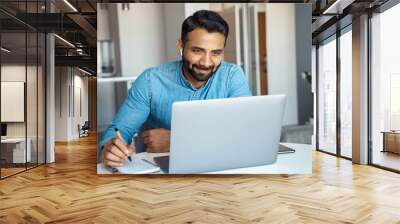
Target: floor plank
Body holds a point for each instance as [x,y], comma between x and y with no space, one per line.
[70,191]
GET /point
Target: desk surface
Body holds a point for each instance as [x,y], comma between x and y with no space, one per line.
[13,140]
[391,132]
[299,162]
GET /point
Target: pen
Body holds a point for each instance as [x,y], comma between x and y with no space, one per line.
[114,170]
[120,138]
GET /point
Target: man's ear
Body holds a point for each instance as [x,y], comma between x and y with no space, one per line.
[179,46]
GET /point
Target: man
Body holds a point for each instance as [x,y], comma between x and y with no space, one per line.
[201,74]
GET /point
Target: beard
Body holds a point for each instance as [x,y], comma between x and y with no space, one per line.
[201,77]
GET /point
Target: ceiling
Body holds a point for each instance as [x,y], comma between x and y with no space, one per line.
[331,15]
[74,21]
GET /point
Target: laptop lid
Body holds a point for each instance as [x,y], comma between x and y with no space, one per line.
[220,134]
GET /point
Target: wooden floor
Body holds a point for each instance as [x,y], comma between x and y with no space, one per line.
[387,159]
[10,171]
[70,191]
[5,172]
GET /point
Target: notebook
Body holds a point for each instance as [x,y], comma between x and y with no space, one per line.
[137,166]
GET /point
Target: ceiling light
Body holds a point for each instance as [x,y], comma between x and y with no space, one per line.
[86,72]
[79,51]
[70,5]
[64,40]
[5,50]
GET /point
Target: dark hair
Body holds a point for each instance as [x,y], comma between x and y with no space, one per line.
[206,19]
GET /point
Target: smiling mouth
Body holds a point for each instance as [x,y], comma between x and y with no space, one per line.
[204,69]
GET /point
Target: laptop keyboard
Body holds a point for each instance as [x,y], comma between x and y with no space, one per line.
[284,149]
[163,161]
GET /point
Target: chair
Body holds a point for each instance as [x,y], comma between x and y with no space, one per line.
[84,130]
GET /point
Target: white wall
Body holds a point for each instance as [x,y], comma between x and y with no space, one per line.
[174,14]
[16,73]
[33,126]
[142,37]
[66,121]
[159,34]
[61,103]
[80,83]
[281,56]
[103,23]
[13,73]
[191,8]
[220,6]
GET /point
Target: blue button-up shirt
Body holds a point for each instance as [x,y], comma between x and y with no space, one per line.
[152,94]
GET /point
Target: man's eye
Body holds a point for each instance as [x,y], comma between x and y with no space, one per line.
[196,50]
[216,53]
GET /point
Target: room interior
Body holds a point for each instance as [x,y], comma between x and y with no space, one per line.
[49,92]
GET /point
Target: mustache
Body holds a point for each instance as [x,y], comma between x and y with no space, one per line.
[203,67]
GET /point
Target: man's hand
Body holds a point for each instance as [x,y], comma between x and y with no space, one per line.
[157,140]
[115,152]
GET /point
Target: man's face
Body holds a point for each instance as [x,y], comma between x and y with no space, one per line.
[202,53]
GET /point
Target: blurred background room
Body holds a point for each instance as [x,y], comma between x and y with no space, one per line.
[271,42]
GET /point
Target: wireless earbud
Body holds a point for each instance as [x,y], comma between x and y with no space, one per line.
[181,53]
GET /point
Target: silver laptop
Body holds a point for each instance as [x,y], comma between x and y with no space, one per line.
[221,134]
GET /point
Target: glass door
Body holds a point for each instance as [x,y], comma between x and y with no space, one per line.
[13,100]
[22,77]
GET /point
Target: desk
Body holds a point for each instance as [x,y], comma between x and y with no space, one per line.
[13,150]
[391,141]
[299,162]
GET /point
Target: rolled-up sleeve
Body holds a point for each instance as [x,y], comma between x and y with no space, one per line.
[238,85]
[133,112]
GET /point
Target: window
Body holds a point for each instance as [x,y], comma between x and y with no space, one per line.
[346,93]
[385,88]
[22,74]
[327,96]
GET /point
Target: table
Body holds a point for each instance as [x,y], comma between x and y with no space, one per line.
[17,150]
[299,162]
[391,141]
